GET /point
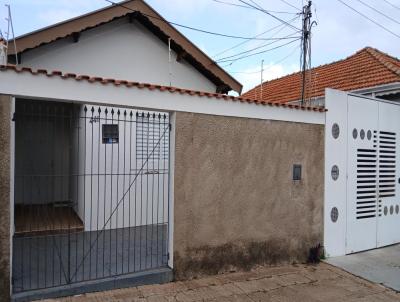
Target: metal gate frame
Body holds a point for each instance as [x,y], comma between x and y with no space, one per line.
[72,275]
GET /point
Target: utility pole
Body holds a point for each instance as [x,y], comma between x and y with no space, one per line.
[10,31]
[262,79]
[306,47]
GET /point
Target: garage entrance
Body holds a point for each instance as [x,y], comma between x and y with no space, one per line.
[362,174]
[91,193]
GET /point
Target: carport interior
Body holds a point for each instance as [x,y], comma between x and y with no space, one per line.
[91,193]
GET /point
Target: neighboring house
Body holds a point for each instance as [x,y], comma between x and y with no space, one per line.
[368,72]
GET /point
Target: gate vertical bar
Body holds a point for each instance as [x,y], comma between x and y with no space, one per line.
[123,203]
[98,189]
[91,190]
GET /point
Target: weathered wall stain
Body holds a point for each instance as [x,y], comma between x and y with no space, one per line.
[208,260]
[5,109]
[235,202]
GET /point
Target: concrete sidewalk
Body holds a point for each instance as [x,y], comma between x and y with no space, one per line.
[379,265]
[285,283]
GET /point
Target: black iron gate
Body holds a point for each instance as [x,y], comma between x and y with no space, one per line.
[91,193]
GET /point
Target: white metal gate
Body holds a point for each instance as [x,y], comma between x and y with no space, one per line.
[362,175]
[361,201]
[388,221]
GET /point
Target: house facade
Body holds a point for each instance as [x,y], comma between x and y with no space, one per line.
[124,162]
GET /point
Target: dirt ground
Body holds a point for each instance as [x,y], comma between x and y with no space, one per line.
[305,283]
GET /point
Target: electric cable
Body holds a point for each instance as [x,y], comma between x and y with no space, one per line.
[257,53]
[251,50]
[190,27]
[291,5]
[378,11]
[269,14]
[369,19]
[274,63]
[248,7]
[391,4]
[258,35]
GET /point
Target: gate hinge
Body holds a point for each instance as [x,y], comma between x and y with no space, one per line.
[170,127]
[13,117]
[168,256]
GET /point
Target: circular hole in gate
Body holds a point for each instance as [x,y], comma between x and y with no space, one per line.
[391,210]
[335,130]
[369,135]
[335,172]
[385,210]
[397,209]
[334,214]
[362,134]
[355,133]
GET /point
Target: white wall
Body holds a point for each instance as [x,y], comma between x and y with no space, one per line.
[111,187]
[119,50]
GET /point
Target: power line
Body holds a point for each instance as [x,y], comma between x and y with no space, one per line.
[256,4]
[257,53]
[269,14]
[190,27]
[291,5]
[390,3]
[273,64]
[378,11]
[251,50]
[258,35]
[368,18]
[248,7]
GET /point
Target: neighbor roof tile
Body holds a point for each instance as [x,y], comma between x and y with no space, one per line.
[368,67]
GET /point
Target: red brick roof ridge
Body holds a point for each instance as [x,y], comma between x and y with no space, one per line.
[381,57]
[128,84]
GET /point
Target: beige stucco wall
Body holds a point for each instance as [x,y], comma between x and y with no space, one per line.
[235,202]
[5,109]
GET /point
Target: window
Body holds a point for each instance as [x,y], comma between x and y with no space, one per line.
[110,134]
[152,137]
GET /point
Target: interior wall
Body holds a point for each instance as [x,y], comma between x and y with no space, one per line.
[235,201]
[42,141]
[119,50]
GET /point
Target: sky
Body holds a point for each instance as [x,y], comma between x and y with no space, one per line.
[339,31]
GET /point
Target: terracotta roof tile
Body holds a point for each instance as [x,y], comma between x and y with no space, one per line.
[148,86]
[368,67]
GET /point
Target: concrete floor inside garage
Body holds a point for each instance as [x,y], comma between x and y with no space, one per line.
[72,263]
